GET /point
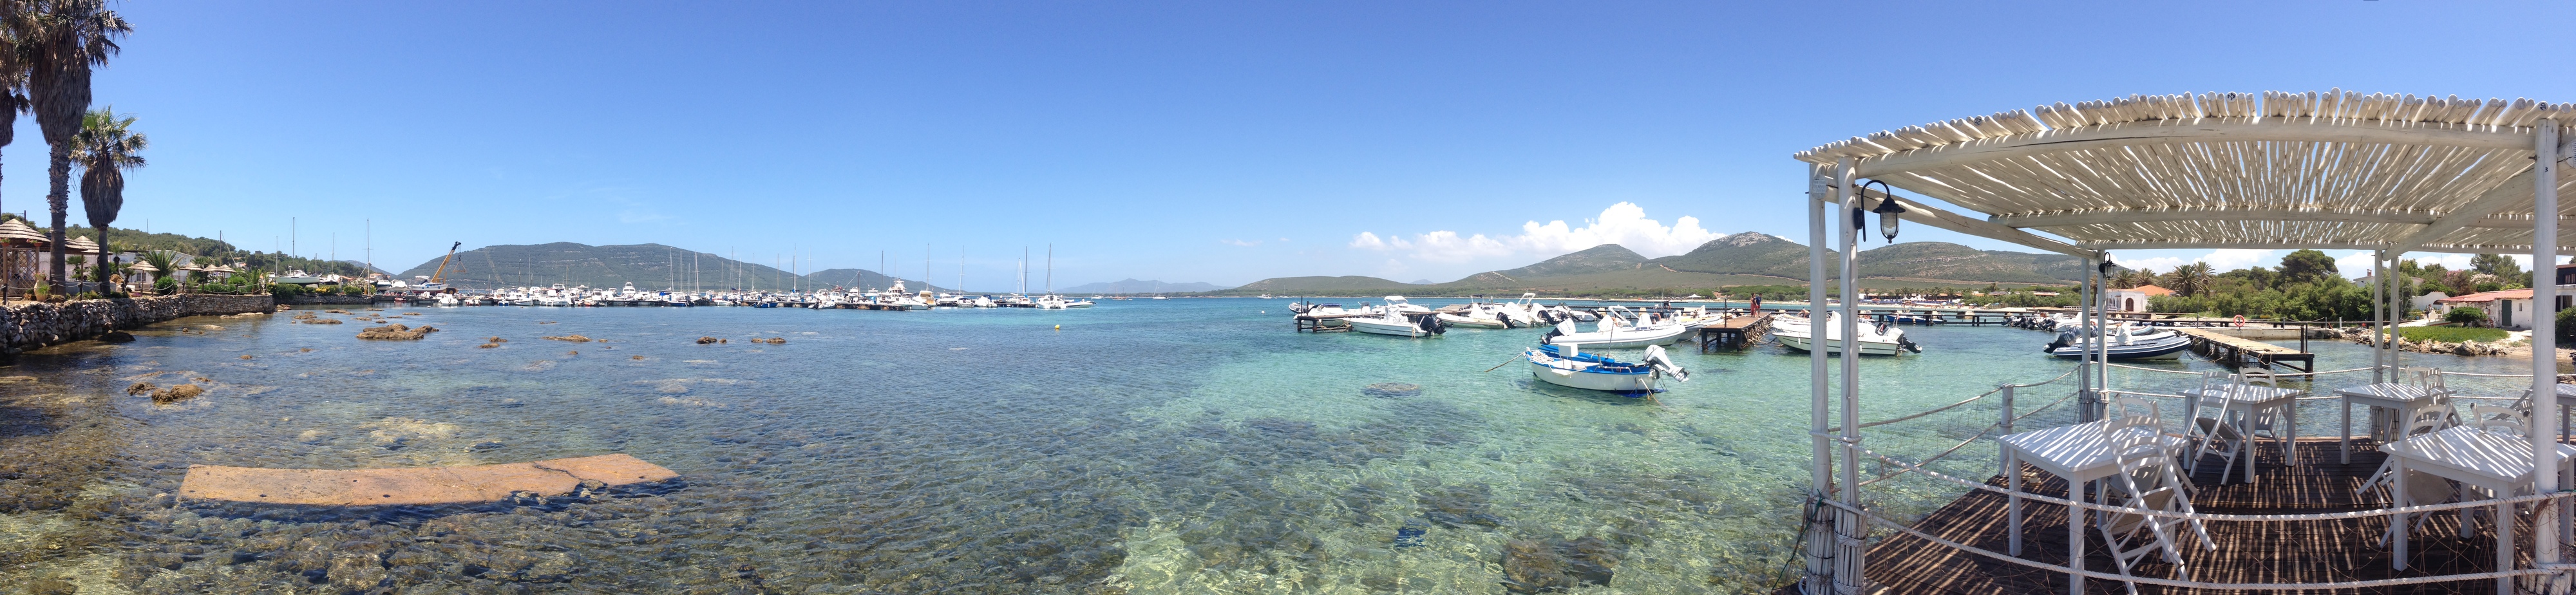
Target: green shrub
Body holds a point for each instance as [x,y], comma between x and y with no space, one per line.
[2452,334]
[165,285]
[2466,316]
[286,290]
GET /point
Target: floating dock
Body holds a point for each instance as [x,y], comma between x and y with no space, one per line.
[1734,334]
[2238,352]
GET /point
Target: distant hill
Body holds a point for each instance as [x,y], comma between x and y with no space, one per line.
[1740,259]
[867,279]
[648,266]
[1135,286]
[1353,284]
[1749,253]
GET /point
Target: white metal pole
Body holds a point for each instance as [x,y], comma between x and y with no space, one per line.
[1851,527]
[2378,317]
[1820,536]
[2544,347]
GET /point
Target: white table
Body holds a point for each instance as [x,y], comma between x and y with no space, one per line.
[2078,453]
[2390,395]
[2498,462]
[2249,400]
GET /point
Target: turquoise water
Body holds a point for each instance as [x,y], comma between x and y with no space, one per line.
[1183,446]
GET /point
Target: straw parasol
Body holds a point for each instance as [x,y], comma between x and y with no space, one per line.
[17,234]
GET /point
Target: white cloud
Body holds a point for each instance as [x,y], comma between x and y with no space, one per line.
[2161,264]
[2229,259]
[1243,243]
[2355,265]
[1624,224]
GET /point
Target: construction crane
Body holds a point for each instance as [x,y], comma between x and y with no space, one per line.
[435,277]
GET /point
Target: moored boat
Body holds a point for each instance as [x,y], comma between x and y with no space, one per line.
[1567,365]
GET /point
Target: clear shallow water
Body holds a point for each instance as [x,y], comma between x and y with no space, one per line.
[1184,446]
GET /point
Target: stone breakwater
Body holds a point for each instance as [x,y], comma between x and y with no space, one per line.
[29,326]
[331,300]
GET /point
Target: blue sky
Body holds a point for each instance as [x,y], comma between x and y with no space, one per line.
[1190,141]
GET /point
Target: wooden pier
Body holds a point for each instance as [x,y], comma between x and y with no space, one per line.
[1734,334]
[2295,551]
[2238,352]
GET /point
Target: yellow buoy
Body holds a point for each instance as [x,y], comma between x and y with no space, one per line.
[1059,327]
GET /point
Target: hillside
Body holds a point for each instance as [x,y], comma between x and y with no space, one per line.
[1749,253]
[867,279]
[1740,259]
[1347,285]
[648,266]
[1135,286]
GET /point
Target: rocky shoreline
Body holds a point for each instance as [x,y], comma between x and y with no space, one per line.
[29,326]
[2511,346]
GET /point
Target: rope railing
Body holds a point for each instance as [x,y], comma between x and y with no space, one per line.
[2288,375]
[1980,434]
[1948,407]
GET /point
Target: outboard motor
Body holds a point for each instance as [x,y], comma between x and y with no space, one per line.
[1563,328]
[1431,324]
[2064,338]
[1655,357]
[1908,344]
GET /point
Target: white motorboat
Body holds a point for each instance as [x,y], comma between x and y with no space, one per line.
[2127,342]
[1393,322]
[1614,333]
[1797,333]
[1479,316]
[1567,365]
[447,300]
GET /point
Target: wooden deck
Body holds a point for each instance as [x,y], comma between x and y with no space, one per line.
[2287,552]
[2237,352]
[1734,334]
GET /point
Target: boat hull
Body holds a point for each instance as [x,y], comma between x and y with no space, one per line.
[1836,345]
[2162,350]
[1466,322]
[1381,327]
[1617,383]
[1621,339]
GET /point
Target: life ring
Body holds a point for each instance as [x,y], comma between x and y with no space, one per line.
[2240,321]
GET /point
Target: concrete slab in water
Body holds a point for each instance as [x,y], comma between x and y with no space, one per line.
[414,485]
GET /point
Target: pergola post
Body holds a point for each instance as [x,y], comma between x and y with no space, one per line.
[2544,346]
[1820,542]
[2379,369]
[1852,529]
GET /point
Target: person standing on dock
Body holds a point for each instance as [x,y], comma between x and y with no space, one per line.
[1757,304]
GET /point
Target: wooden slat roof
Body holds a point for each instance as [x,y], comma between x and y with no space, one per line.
[2233,170]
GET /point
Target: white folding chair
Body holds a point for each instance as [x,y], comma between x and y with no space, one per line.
[2500,419]
[2146,480]
[2426,489]
[2427,416]
[2212,428]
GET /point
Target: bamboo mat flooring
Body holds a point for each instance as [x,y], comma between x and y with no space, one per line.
[2283,552]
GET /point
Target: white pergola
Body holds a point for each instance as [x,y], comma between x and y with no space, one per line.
[2334,170]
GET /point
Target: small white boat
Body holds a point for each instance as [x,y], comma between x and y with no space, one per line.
[447,300]
[2128,342]
[1613,332]
[1393,322]
[1567,365]
[1798,333]
[1480,316]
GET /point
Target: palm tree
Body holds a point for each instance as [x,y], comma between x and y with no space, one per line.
[2190,279]
[59,41]
[105,148]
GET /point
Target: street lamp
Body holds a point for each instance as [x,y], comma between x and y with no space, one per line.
[1887,210]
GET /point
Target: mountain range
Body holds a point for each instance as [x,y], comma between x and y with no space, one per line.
[1740,259]
[648,266]
[1135,286]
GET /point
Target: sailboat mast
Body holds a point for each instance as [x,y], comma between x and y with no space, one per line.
[1050,276]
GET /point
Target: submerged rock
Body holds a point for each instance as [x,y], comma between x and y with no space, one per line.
[569,338]
[177,393]
[117,337]
[396,332]
[1392,390]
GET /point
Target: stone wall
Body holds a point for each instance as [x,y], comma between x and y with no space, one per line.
[29,326]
